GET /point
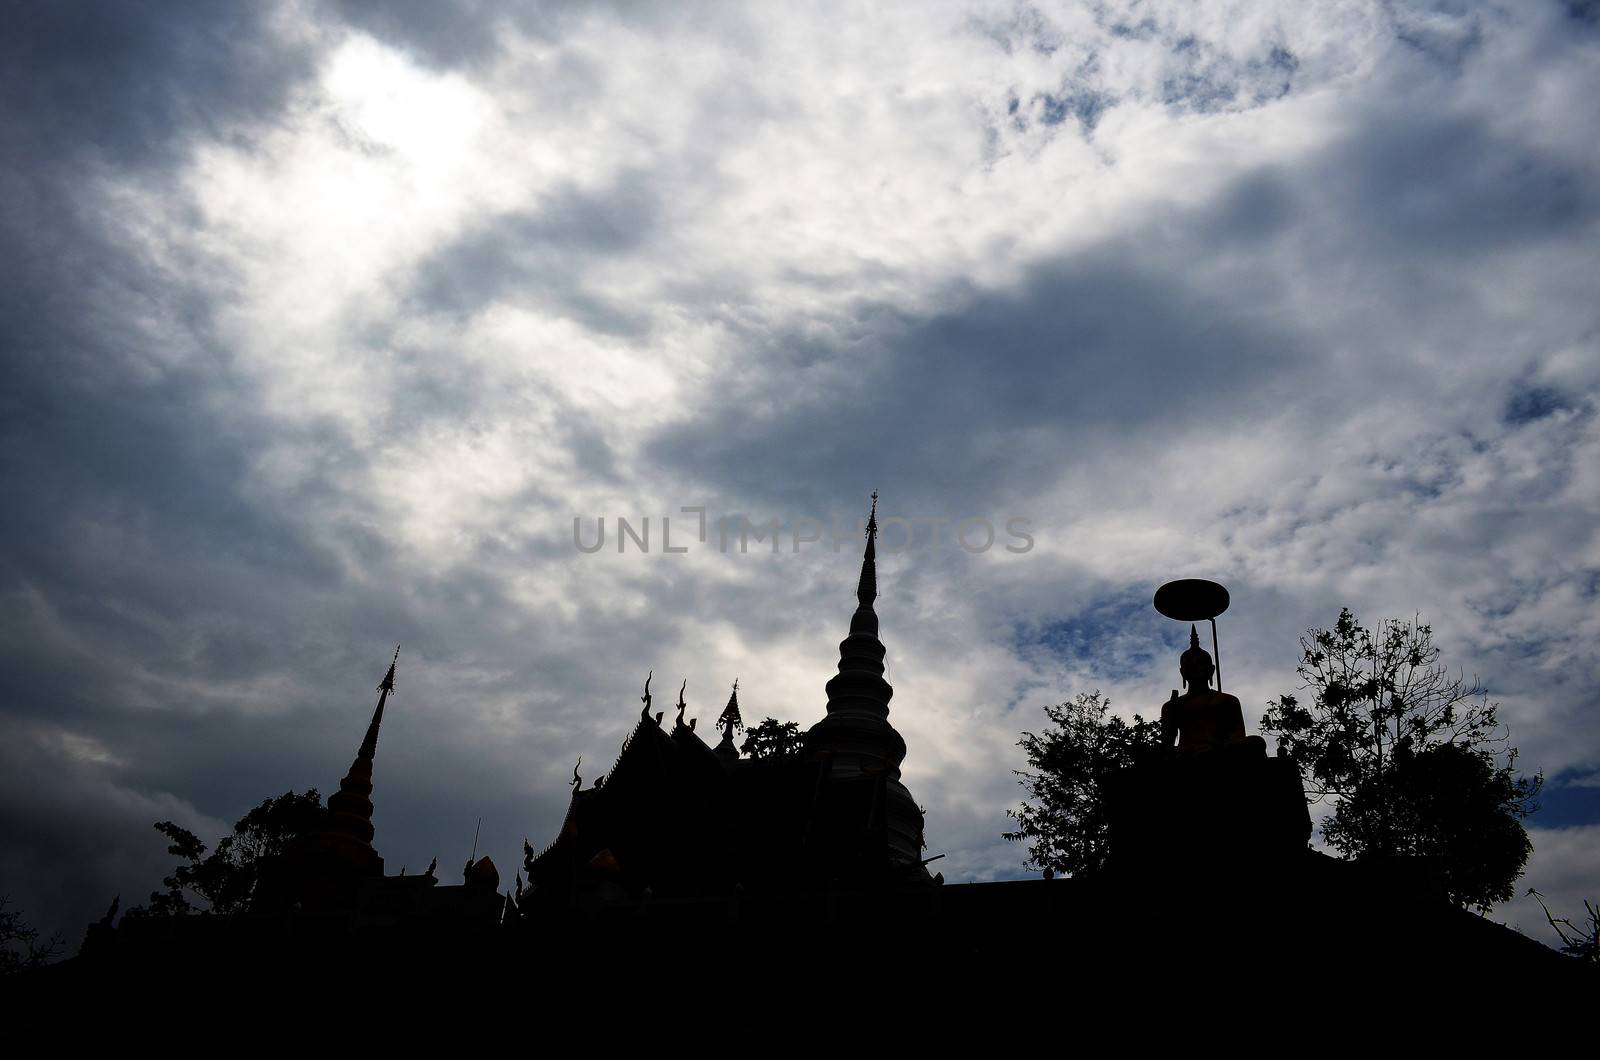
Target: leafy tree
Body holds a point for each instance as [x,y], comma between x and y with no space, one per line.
[1413,757]
[772,737]
[20,949]
[225,878]
[1065,822]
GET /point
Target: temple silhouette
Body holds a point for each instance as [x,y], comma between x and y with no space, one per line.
[814,862]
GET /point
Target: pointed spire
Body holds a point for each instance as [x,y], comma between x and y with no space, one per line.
[730,718]
[728,721]
[350,808]
[1194,637]
[369,745]
[867,587]
[859,686]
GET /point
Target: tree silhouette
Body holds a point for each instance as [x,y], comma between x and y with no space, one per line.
[1582,942]
[1065,823]
[1413,757]
[772,737]
[225,879]
[20,949]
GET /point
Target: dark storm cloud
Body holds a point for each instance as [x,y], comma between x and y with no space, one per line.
[76,833]
[127,82]
[439,32]
[540,257]
[1426,185]
[119,474]
[143,584]
[1134,339]
[984,399]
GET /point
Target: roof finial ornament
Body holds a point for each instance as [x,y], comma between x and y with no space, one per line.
[576,783]
[681,704]
[872,520]
[644,715]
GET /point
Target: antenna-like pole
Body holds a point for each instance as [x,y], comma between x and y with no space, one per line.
[475,832]
[1216,654]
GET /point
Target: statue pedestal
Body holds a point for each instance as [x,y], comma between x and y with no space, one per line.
[1219,813]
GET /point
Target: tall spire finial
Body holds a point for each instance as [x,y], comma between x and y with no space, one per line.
[867,587]
[369,745]
[387,684]
[350,808]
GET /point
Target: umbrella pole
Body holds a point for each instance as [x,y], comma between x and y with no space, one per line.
[1216,654]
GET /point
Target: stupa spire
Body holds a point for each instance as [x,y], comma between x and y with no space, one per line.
[859,686]
[350,808]
[856,738]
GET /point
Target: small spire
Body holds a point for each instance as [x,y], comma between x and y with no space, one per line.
[1194,636]
[728,721]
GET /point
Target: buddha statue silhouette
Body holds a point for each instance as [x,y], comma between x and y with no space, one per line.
[1204,721]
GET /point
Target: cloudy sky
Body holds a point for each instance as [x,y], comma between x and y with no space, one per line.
[321,323]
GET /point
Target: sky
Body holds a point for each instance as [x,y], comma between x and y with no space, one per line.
[330,326]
